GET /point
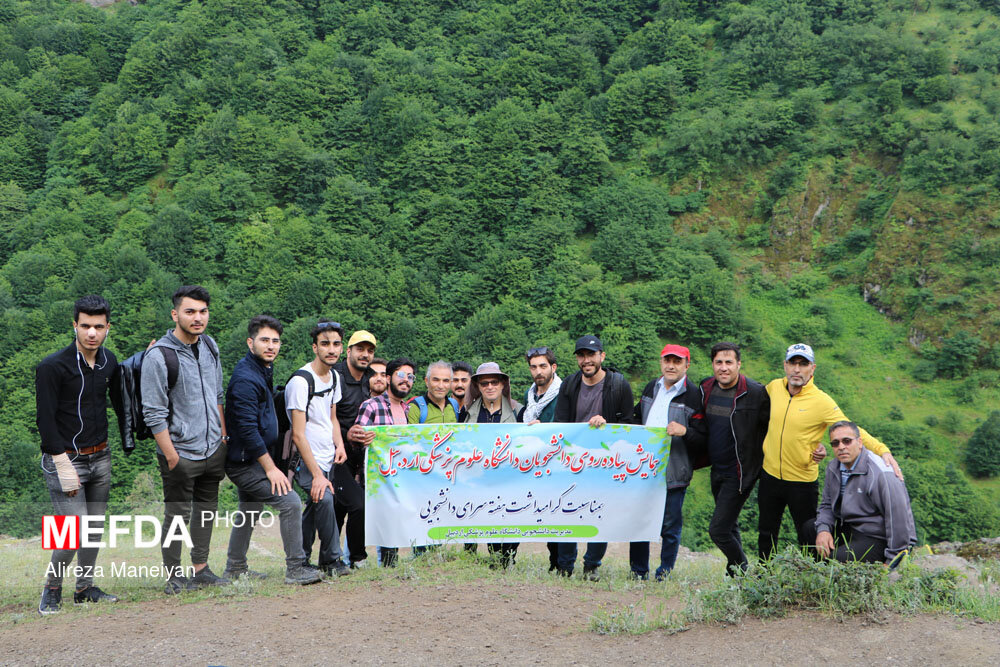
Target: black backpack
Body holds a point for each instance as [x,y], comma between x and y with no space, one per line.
[132,425]
[283,451]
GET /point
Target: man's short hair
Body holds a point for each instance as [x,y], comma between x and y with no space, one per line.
[92,304]
[326,324]
[378,360]
[441,363]
[461,366]
[259,322]
[196,292]
[722,347]
[541,351]
[846,424]
[398,363]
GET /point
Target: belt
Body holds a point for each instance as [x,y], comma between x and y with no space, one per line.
[84,451]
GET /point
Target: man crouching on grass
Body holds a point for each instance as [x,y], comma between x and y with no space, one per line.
[253,426]
[865,512]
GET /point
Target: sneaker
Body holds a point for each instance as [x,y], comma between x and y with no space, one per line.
[590,573]
[662,573]
[51,601]
[635,576]
[335,569]
[302,576]
[178,583]
[92,594]
[205,577]
[233,575]
[565,571]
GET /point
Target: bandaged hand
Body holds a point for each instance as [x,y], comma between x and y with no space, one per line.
[69,481]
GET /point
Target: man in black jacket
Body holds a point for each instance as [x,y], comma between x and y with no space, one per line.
[671,401]
[597,396]
[737,411]
[253,429]
[71,389]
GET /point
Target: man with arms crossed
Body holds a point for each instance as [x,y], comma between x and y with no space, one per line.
[253,424]
[71,389]
[190,430]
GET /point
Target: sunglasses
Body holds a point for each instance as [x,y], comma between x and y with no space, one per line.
[842,441]
[489,383]
[537,351]
[323,326]
[403,375]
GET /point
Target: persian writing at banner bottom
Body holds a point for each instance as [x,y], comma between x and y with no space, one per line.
[439,483]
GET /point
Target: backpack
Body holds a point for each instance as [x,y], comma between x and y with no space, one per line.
[421,402]
[283,451]
[132,424]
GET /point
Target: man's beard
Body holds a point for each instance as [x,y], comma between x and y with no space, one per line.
[398,393]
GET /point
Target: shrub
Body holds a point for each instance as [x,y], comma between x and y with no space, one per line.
[982,452]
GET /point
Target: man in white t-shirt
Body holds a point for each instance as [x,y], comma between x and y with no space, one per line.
[316,433]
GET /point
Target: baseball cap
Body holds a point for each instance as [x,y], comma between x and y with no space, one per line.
[592,343]
[362,336]
[677,351]
[800,350]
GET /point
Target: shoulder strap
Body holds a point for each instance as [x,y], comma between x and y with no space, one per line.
[173,366]
[310,384]
[454,405]
[212,346]
[422,405]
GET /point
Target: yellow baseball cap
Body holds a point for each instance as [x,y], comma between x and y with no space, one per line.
[362,336]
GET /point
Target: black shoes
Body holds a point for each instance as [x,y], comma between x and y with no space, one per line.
[337,569]
[178,583]
[233,575]
[92,594]
[205,577]
[51,601]
[590,573]
[302,576]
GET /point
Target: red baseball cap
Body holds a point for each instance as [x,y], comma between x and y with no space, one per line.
[677,351]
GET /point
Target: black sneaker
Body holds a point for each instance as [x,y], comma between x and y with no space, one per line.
[205,577]
[337,569]
[590,573]
[92,594]
[178,583]
[233,575]
[51,601]
[302,576]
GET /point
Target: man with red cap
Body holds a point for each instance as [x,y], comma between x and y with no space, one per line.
[673,402]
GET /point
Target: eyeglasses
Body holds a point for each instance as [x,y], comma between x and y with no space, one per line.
[537,352]
[489,383]
[842,441]
[403,375]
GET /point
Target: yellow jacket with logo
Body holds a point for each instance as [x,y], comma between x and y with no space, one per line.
[798,423]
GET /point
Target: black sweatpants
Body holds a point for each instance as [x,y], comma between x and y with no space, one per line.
[723,528]
[773,495]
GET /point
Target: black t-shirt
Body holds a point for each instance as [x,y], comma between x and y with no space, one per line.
[352,394]
[721,444]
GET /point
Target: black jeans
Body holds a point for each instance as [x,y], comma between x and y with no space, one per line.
[773,495]
[851,545]
[349,503]
[191,491]
[723,528]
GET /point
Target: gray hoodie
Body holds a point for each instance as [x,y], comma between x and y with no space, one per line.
[191,411]
[875,503]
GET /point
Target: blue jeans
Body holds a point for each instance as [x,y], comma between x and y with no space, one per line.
[254,489]
[566,555]
[94,471]
[673,521]
[319,518]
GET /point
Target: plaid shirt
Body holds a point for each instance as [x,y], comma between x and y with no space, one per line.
[375,412]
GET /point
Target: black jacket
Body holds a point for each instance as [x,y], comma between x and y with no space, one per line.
[71,399]
[686,451]
[251,420]
[748,419]
[616,398]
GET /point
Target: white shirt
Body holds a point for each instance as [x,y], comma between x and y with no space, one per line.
[659,412]
[319,427]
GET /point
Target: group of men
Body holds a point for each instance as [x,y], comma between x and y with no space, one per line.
[205,431]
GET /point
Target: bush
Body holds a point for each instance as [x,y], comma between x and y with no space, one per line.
[982,452]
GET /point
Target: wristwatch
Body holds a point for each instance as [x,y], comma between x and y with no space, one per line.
[225,439]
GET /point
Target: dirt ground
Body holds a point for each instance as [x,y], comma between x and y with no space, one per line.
[492,623]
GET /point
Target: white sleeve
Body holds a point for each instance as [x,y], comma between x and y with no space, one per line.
[296,394]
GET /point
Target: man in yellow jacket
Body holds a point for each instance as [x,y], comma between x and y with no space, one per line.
[793,447]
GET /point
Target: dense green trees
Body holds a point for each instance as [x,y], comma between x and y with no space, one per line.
[466,178]
[982,452]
